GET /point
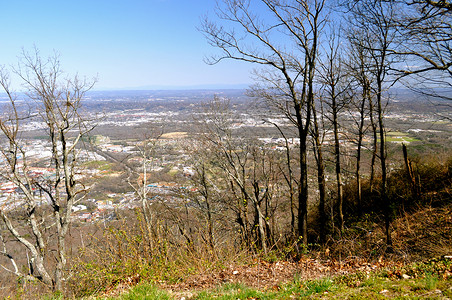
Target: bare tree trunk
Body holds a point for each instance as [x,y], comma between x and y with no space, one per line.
[410,174]
[318,151]
[337,155]
[303,193]
[383,187]
[374,143]
[290,180]
[358,155]
[261,227]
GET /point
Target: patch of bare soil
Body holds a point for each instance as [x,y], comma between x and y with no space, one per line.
[265,275]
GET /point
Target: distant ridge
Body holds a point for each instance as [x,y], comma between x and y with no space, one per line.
[178,88]
[169,95]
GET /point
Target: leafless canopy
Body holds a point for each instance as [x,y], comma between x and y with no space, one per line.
[45,201]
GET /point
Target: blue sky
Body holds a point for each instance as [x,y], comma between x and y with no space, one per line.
[126,44]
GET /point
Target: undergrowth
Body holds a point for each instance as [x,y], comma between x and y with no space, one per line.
[430,279]
[127,254]
[130,254]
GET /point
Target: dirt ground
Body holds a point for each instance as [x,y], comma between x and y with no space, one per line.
[265,275]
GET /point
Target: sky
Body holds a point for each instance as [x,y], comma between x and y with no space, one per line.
[126,44]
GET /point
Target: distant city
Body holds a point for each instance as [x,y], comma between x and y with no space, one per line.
[112,161]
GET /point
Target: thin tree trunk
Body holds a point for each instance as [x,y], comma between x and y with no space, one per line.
[290,182]
[303,193]
[337,156]
[374,143]
[358,161]
[383,187]
[320,174]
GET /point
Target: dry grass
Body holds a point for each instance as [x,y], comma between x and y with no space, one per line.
[174,135]
[425,233]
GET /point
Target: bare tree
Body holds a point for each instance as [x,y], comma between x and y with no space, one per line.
[208,192]
[245,171]
[287,170]
[139,180]
[336,86]
[285,43]
[361,102]
[45,202]
[375,19]
[318,136]
[424,27]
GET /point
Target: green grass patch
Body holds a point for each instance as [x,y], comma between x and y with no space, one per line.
[234,291]
[399,137]
[145,291]
[173,172]
[396,133]
[101,165]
